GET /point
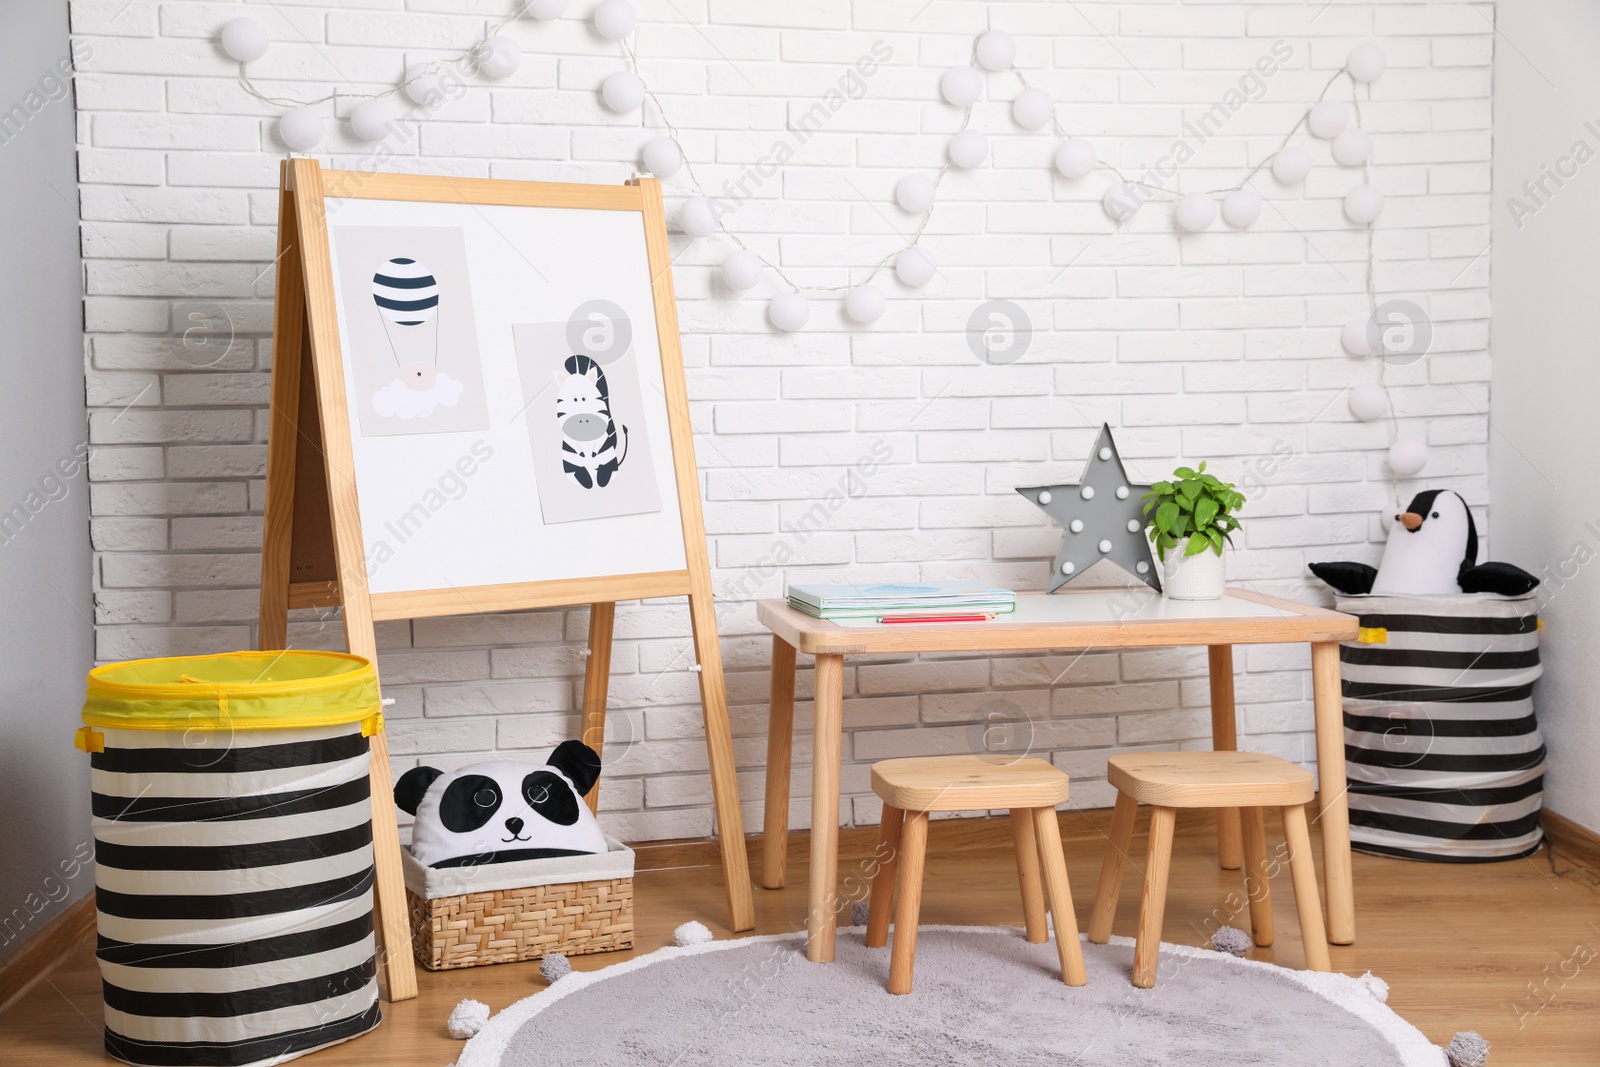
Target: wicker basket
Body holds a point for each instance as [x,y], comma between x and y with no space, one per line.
[511,912]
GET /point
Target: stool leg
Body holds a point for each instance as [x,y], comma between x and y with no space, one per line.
[1060,891]
[1304,873]
[1022,829]
[908,900]
[1256,885]
[883,882]
[1105,898]
[1158,860]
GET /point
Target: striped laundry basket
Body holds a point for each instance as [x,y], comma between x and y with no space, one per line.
[1442,748]
[233,854]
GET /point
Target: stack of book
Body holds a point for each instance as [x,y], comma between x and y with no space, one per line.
[904,601]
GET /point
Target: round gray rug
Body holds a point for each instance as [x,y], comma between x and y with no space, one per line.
[983,996]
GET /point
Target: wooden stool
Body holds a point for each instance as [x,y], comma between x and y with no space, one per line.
[1244,780]
[1029,788]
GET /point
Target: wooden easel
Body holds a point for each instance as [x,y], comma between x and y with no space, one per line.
[312,554]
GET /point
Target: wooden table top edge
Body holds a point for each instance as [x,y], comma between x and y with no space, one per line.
[1298,623]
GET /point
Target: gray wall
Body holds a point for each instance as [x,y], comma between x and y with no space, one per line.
[46,605]
[1545,452]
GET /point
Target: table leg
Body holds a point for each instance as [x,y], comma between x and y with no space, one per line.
[825,759]
[780,752]
[1225,738]
[1332,798]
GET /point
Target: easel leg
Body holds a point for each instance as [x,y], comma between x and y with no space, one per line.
[724,772]
[780,753]
[1225,738]
[596,681]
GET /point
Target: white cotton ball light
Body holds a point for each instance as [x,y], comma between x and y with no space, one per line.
[865,304]
[1075,158]
[1328,119]
[692,933]
[695,217]
[466,1019]
[969,149]
[1195,212]
[1241,208]
[1354,338]
[244,39]
[1352,147]
[1291,165]
[1032,108]
[1366,62]
[424,87]
[1407,458]
[915,267]
[622,91]
[741,270]
[614,19]
[914,193]
[996,49]
[789,311]
[499,57]
[546,10]
[370,120]
[300,129]
[662,157]
[1368,401]
[1121,200]
[961,86]
[1363,205]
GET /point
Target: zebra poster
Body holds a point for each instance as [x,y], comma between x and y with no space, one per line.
[411,329]
[585,416]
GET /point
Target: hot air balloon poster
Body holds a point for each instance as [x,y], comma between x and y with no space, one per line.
[411,329]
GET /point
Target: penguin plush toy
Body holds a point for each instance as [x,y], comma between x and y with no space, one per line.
[1432,551]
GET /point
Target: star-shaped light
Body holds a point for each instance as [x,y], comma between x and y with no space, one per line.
[1103,517]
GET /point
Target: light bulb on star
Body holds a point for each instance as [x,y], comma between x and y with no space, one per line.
[622,91]
[1195,212]
[695,217]
[1363,205]
[961,86]
[742,269]
[1241,208]
[244,39]
[1352,147]
[914,193]
[1075,158]
[968,149]
[865,304]
[789,311]
[662,157]
[615,19]
[499,57]
[996,49]
[1032,108]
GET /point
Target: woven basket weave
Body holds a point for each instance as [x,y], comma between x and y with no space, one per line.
[511,925]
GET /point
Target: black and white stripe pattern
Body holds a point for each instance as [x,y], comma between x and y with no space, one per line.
[1443,751]
[234,889]
[406,292]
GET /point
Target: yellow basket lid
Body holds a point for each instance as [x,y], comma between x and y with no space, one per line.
[235,690]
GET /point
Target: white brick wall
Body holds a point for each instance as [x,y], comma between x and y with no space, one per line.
[1222,346]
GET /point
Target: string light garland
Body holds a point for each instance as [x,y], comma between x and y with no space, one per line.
[302,126]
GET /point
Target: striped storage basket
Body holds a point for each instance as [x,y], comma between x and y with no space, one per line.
[1442,748]
[233,853]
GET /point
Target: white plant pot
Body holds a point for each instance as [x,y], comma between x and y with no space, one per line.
[1192,577]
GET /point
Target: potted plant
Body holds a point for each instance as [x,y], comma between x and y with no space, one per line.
[1191,516]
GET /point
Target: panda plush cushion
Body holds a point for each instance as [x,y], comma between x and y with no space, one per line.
[503,811]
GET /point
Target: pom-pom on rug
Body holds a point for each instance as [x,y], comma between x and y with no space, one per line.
[982,996]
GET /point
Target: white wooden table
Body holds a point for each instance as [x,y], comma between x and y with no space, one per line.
[1090,619]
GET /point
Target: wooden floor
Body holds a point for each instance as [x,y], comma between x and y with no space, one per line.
[1509,949]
